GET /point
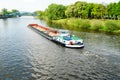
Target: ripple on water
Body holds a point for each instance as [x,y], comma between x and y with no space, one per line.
[25,55]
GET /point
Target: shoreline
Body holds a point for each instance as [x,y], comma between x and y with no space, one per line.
[94,25]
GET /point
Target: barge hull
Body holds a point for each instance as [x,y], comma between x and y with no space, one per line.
[41,33]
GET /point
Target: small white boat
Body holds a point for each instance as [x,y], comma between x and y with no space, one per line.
[59,36]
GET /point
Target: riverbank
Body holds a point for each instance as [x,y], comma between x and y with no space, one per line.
[77,24]
[4,17]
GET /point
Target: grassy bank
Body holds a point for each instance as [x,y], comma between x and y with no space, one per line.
[109,26]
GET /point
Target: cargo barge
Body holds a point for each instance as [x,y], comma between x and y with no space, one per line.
[62,37]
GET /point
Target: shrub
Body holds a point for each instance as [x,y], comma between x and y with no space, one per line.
[97,25]
[112,26]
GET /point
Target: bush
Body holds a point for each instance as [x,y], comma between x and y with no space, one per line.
[97,25]
[77,24]
[112,26]
[85,24]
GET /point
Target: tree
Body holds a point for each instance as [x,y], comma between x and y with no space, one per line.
[98,11]
[14,10]
[89,9]
[114,10]
[4,12]
[80,9]
[118,9]
[70,11]
[40,14]
[110,9]
[55,11]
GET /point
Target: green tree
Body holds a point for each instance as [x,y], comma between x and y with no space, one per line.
[69,11]
[89,9]
[118,9]
[55,11]
[114,10]
[40,14]
[98,11]
[14,10]
[111,9]
[4,12]
[80,9]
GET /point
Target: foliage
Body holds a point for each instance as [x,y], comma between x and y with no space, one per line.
[40,14]
[55,11]
[98,11]
[5,12]
[110,26]
[69,11]
[114,10]
[83,15]
[97,25]
[14,10]
[82,10]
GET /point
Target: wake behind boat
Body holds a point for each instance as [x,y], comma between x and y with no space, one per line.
[59,36]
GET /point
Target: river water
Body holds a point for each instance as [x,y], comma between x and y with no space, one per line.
[26,55]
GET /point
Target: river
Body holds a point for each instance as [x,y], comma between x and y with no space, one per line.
[26,55]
